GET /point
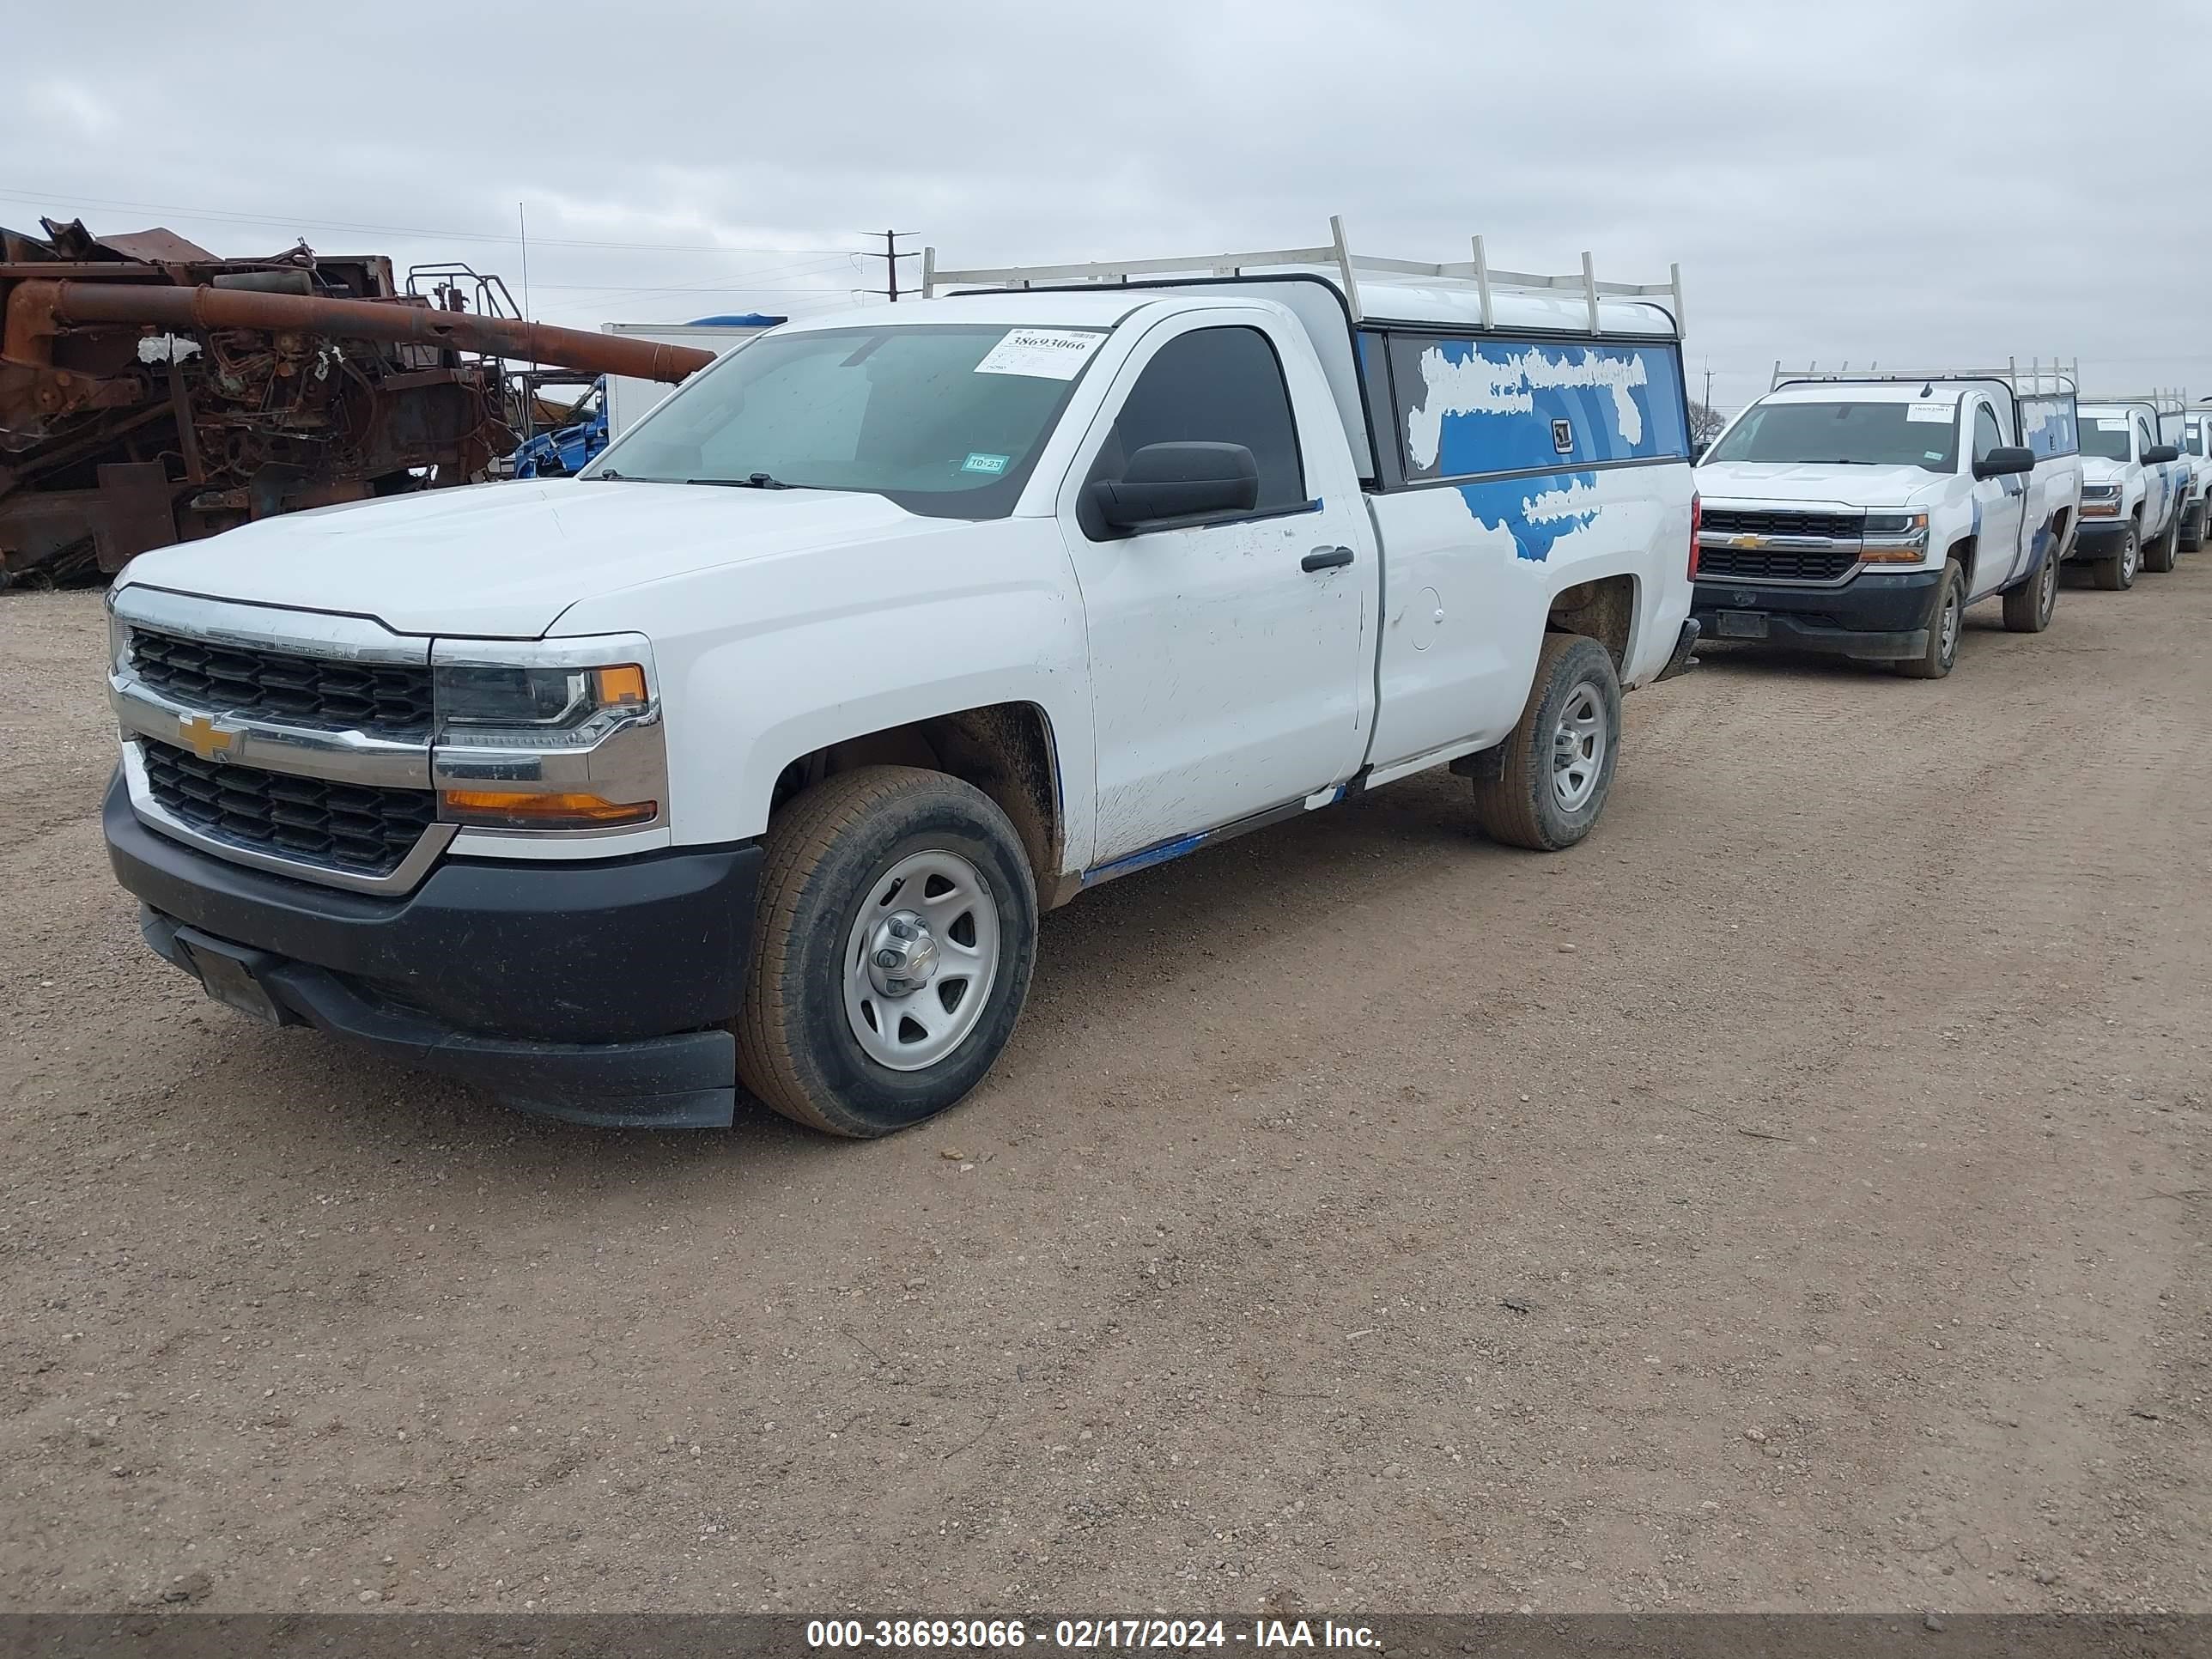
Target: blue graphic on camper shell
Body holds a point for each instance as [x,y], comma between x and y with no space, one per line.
[1471,407]
[1536,512]
[2049,426]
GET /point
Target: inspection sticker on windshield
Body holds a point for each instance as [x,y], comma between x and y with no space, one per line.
[1944,412]
[979,462]
[2107,423]
[1043,354]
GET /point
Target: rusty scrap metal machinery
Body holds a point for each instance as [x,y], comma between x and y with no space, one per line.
[151,393]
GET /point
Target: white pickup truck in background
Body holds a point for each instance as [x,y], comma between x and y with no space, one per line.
[2191,433]
[2132,490]
[1862,514]
[753,751]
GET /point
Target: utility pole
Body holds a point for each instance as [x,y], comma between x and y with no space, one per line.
[890,256]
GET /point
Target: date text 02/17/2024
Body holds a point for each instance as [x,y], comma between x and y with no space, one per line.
[1262,1636]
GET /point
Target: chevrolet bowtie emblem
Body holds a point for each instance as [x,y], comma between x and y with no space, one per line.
[200,736]
[1744,541]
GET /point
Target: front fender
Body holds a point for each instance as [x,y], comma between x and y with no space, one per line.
[765,660]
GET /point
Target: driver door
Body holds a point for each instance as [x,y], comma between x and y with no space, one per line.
[1231,659]
[2000,510]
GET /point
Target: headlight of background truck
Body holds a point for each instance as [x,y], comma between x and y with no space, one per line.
[561,735]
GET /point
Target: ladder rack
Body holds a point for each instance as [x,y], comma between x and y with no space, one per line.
[1335,256]
[2037,379]
[2165,400]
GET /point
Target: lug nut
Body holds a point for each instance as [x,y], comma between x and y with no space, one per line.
[887,958]
[902,928]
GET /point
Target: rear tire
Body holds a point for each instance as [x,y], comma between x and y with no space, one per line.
[2158,554]
[1946,621]
[2117,574]
[1556,768]
[2028,608]
[890,896]
[2192,527]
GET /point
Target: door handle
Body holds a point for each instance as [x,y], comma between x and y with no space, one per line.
[1325,558]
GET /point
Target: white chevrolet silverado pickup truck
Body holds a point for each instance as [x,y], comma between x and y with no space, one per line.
[1862,514]
[749,755]
[2132,489]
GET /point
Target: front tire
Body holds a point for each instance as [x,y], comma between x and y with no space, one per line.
[894,935]
[1557,765]
[2158,554]
[1946,621]
[2192,527]
[2117,574]
[2028,607]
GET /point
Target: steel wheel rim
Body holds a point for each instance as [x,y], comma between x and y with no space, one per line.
[910,1014]
[1579,741]
[2047,589]
[2130,555]
[1947,641]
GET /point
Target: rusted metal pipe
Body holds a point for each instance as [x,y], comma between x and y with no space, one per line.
[35,305]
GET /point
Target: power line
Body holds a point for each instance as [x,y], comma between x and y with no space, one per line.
[219,215]
[890,256]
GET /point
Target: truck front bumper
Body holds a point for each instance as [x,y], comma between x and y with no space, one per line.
[590,991]
[1878,615]
[2098,538]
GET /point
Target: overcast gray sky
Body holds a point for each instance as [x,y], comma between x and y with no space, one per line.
[1938,181]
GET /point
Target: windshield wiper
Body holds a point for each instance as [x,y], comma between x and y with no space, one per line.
[755,481]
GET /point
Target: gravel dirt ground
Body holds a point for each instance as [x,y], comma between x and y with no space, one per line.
[1794,1198]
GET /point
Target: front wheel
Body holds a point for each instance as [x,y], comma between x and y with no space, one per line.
[1556,764]
[2158,553]
[2028,608]
[2192,527]
[2117,574]
[1946,620]
[893,939]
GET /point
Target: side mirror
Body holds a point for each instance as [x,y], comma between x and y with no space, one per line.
[1178,480]
[2005,462]
[2158,453]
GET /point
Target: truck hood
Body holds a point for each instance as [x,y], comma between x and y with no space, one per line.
[504,560]
[1829,486]
[2100,469]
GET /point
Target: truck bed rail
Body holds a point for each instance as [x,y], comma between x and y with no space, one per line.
[1335,256]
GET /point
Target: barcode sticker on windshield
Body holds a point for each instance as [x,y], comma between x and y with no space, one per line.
[2108,424]
[1945,413]
[1044,354]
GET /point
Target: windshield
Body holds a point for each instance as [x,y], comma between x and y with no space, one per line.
[943,419]
[1922,434]
[2107,437]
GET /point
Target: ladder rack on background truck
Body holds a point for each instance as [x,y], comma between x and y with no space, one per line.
[2038,378]
[1336,257]
[2164,400]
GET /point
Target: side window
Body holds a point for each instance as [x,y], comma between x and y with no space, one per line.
[1214,386]
[1986,435]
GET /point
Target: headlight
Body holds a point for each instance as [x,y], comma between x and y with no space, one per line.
[2100,492]
[1896,523]
[559,735]
[1893,538]
[559,703]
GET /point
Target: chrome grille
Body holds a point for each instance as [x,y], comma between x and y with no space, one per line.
[346,827]
[391,699]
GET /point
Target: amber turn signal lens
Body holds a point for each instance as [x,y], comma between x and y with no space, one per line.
[1891,555]
[515,809]
[619,688]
